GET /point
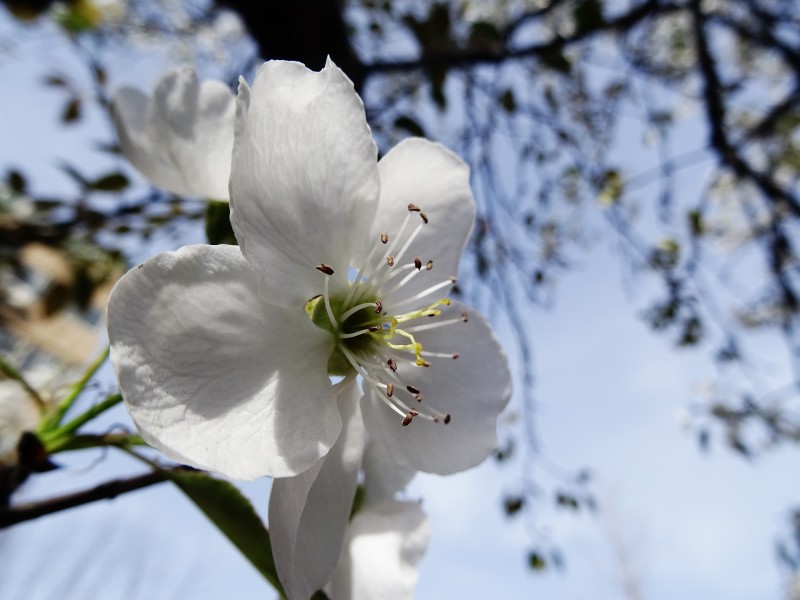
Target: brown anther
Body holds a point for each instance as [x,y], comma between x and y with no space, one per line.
[464,316]
[374,328]
[424,217]
[426,363]
[325,269]
[429,265]
[389,390]
[447,419]
[456,355]
[417,263]
[384,238]
[453,279]
[418,397]
[378,305]
[435,419]
[413,207]
[390,261]
[412,389]
[392,364]
[407,419]
[413,413]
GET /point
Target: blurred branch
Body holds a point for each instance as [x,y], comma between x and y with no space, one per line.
[105,491]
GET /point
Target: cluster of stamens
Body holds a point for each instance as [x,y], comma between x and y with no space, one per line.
[370,341]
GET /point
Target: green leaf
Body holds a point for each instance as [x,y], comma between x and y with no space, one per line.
[218,223]
[233,514]
[113,182]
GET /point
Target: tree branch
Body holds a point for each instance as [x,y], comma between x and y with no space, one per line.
[105,491]
[467,58]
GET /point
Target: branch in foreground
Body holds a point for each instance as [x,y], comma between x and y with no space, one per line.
[105,491]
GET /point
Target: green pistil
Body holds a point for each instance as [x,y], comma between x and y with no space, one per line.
[376,328]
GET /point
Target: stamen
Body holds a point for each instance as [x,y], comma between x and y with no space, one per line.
[367,262]
[409,241]
[464,316]
[384,238]
[390,261]
[412,389]
[413,207]
[424,217]
[325,269]
[436,325]
[407,420]
[389,389]
[429,265]
[378,306]
[417,262]
[372,329]
[392,365]
[424,293]
[357,308]
[327,297]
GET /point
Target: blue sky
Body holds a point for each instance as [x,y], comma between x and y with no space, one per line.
[692,525]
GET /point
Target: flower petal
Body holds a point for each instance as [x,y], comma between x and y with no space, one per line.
[473,389]
[182,138]
[384,544]
[214,377]
[383,476]
[436,180]
[304,176]
[308,513]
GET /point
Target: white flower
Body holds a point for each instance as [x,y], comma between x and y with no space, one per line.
[180,139]
[225,354]
[385,539]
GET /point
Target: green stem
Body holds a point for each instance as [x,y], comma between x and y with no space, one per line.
[83,442]
[68,429]
[15,375]
[53,420]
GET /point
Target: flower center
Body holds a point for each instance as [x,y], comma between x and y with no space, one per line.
[374,322]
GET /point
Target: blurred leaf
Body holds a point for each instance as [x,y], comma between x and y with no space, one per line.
[696,225]
[113,182]
[588,15]
[72,111]
[484,36]
[55,81]
[567,501]
[556,60]
[233,514]
[536,561]
[218,223]
[612,188]
[513,504]
[17,182]
[508,101]
[408,124]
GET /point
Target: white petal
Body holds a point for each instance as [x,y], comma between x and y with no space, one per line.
[383,476]
[473,389]
[182,138]
[432,177]
[214,377]
[304,178]
[384,544]
[308,513]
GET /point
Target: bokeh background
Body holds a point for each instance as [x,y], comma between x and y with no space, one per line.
[635,165]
